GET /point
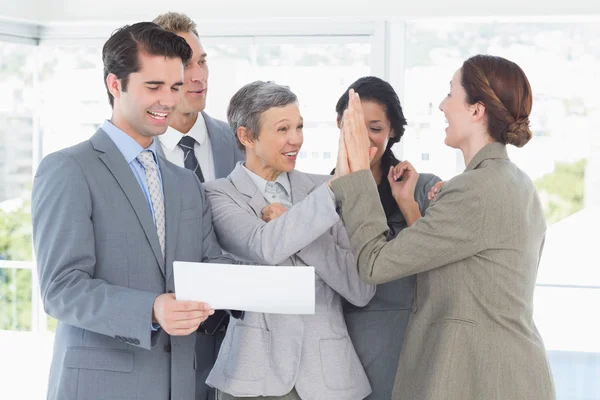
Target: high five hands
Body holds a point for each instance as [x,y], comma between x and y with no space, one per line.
[355,152]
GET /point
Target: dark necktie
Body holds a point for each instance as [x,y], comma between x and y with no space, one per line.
[220,319]
[189,157]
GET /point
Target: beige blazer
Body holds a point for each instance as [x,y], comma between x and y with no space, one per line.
[476,252]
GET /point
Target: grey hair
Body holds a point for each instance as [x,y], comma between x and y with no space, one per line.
[247,105]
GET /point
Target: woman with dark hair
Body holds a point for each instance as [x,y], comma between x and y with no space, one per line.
[476,252]
[377,330]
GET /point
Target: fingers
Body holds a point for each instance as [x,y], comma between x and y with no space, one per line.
[435,189]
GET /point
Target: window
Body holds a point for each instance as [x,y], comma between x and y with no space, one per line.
[563,158]
[317,69]
[17,72]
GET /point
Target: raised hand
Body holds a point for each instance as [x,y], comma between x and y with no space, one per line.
[403,190]
[358,147]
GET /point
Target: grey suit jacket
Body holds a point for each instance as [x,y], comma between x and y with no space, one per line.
[476,253]
[269,354]
[101,267]
[377,330]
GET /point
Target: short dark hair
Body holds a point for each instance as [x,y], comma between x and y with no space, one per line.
[120,53]
[372,88]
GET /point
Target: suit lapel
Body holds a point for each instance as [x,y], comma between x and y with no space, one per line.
[244,184]
[117,165]
[222,153]
[172,192]
[301,185]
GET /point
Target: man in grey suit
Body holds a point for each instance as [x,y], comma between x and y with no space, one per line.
[109,219]
[204,145]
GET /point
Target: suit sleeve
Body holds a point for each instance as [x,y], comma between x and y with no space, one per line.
[63,237]
[449,232]
[334,262]
[242,233]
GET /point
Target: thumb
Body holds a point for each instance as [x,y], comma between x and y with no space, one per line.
[372,152]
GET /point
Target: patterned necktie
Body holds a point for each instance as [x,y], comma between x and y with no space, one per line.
[189,157]
[146,158]
[276,193]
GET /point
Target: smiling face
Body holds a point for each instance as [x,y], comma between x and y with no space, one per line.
[144,109]
[458,113]
[278,143]
[195,86]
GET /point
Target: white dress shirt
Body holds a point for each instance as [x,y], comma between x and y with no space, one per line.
[202,148]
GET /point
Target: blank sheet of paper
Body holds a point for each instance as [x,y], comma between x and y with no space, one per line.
[277,290]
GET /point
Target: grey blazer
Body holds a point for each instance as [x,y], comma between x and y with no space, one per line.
[100,268]
[269,354]
[377,330]
[476,253]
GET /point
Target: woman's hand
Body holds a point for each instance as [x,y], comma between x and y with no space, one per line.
[342,168]
[358,147]
[272,211]
[403,191]
[435,189]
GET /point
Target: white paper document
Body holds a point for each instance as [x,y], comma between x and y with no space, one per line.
[276,290]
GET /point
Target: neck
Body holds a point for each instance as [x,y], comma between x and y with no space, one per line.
[122,124]
[473,147]
[257,166]
[376,172]
[183,122]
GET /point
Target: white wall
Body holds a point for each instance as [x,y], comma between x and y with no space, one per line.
[19,9]
[127,10]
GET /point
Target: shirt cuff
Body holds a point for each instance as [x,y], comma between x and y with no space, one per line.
[331,193]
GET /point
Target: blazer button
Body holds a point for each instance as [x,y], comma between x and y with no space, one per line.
[167,348]
[136,342]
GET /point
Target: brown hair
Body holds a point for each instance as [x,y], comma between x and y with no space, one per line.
[502,87]
[176,23]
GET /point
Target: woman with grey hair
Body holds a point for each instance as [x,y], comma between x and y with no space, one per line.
[268,213]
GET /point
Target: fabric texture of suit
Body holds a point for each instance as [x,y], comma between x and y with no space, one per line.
[101,268]
[476,252]
[226,154]
[269,354]
[377,330]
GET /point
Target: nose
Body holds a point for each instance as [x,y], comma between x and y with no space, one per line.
[441,106]
[198,73]
[296,137]
[169,98]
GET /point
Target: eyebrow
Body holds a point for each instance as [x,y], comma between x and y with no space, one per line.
[375,120]
[162,83]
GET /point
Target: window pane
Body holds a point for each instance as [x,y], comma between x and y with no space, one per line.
[73,99]
[17,98]
[561,61]
[318,71]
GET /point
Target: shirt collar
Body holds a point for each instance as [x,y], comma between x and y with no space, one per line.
[127,145]
[261,183]
[172,136]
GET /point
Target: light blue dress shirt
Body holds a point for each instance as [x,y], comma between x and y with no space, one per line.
[130,150]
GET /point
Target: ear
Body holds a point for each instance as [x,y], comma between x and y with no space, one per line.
[245,137]
[478,111]
[114,85]
[392,133]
